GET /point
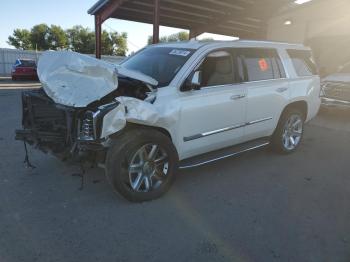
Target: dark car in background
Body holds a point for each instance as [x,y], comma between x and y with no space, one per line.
[336,88]
[24,69]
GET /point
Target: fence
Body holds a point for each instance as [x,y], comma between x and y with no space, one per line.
[9,56]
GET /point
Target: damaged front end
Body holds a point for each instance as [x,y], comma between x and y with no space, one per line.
[80,105]
[66,132]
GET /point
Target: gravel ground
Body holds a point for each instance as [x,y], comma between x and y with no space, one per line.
[256,207]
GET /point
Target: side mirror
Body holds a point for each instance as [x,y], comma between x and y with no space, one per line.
[193,82]
[196,79]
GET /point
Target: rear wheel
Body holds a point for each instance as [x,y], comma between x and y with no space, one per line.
[14,78]
[141,165]
[289,132]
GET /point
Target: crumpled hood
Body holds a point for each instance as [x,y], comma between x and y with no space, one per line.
[338,77]
[76,80]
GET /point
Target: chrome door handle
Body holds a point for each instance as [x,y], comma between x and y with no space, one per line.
[236,97]
[282,89]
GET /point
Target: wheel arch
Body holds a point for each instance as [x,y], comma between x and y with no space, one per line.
[300,105]
[130,125]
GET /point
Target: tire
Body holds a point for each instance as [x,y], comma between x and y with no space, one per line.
[291,124]
[14,78]
[134,171]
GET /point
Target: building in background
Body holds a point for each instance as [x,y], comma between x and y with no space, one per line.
[324,25]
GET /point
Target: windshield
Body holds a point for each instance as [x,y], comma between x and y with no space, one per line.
[160,63]
[345,69]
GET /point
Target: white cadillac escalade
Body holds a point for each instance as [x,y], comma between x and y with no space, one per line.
[170,107]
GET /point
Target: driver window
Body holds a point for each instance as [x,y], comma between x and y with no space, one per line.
[217,69]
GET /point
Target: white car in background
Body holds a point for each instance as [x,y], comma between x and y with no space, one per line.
[336,88]
[171,106]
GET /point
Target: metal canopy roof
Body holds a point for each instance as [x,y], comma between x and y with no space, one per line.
[242,18]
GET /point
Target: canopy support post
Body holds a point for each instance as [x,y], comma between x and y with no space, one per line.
[98,28]
[156,21]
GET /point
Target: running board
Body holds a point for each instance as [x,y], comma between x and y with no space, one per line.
[222,154]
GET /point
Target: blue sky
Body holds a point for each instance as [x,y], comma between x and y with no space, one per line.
[66,13]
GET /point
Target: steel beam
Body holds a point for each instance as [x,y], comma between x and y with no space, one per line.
[156,21]
[194,33]
[98,28]
[110,8]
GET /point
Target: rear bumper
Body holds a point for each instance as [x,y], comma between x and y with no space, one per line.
[24,75]
[329,102]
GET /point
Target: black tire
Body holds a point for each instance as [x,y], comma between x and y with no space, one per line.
[278,139]
[120,155]
[14,78]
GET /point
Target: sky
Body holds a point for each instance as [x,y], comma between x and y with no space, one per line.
[66,13]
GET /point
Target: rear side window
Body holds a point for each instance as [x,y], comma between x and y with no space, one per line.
[303,62]
[260,64]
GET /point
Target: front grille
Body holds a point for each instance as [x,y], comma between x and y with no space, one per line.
[337,90]
[48,123]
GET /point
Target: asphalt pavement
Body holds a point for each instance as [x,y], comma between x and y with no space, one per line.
[256,207]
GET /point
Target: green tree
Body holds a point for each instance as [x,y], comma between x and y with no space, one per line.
[120,42]
[81,39]
[180,36]
[106,43]
[206,39]
[20,39]
[57,37]
[114,43]
[78,38]
[39,36]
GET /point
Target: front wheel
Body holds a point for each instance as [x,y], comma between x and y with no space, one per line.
[289,132]
[141,165]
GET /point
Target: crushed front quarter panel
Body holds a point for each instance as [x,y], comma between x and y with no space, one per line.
[139,112]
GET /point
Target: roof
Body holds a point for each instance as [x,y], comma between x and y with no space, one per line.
[194,44]
[97,6]
[242,18]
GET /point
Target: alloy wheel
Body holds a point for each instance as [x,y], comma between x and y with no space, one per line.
[292,132]
[148,168]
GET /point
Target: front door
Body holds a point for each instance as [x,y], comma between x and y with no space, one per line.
[213,116]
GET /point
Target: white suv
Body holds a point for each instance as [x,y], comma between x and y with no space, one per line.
[171,106]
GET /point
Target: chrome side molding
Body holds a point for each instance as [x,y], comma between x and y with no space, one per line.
[224,156]
[225,129]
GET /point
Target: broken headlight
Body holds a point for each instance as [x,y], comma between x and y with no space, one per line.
[87,126]
[90,124]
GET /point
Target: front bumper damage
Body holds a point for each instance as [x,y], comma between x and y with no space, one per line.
[83,105]
[56,129]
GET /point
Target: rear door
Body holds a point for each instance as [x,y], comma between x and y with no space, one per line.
[267,88]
